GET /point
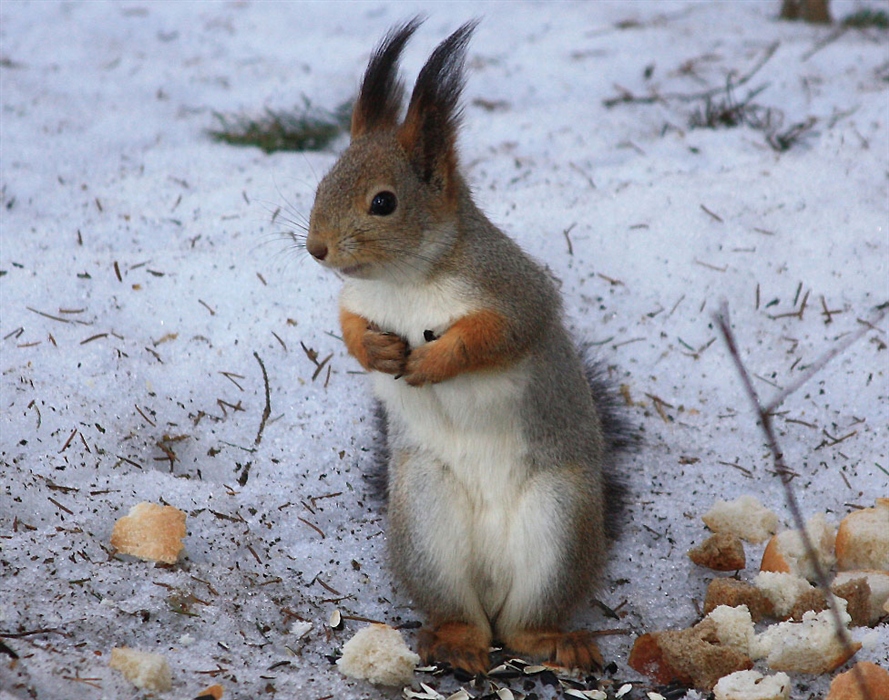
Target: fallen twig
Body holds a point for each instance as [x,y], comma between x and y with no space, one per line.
[267,411]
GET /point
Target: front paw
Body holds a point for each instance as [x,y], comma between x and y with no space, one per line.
[427,364]
[386,352]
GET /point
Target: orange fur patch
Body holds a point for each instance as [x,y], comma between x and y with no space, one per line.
[477,341]
[354,327]
[376,351]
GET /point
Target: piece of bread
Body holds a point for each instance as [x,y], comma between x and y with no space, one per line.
[377,653]
[694,657]
[856,593]
[143,669]
[734,627]
[722,551]
[878,588]
[745,517]
[792,596]
[810,646]
[731,592]
[214,692]
[845,686]
[786,552]
[151,532]
[863,539]
[750,685]
[784,591]
[810,601]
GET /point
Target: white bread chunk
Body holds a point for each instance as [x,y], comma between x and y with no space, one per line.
[782,589]
[786,551]
[863,539]
[143,669]
[378,653]
[750,685]
[734,627]
[810,646]
[151,532]
[745,517]
[878,582]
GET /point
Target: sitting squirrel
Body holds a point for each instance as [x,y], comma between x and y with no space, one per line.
[500,497]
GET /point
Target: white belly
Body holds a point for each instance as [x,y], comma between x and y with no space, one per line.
[470,422]
[469,431]
[470,425]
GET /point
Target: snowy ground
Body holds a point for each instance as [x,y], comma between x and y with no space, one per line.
[142,275]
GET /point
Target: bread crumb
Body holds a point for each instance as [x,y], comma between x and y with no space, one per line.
[722,551]
[845,686]
[783,590]
[857,595]
[750,685]
[143,669]
[378,653]
[734,627]
[214,691]
[150,532]
[878,583]
[810,646]
[810,601]
[745,517]
[694,657]
[786,552]
[730,592]
[863,539]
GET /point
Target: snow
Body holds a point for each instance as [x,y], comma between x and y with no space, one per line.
[144,279]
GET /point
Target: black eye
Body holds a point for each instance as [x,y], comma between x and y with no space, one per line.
[383,204]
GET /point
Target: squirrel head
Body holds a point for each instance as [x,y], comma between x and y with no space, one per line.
[388,207]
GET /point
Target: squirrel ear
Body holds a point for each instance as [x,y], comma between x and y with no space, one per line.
[429,131]
[379,101]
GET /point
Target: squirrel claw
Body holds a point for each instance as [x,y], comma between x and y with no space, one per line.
[386,352]
[461,645]
[566,649]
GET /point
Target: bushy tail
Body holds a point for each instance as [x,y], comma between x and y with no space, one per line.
[377,473]
[621,438]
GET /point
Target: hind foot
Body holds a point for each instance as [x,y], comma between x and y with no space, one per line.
[460,644]
[567,649]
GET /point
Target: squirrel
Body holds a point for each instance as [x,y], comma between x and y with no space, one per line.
[500,478]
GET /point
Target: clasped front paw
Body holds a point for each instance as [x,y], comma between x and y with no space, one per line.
[427,364]
[386,352]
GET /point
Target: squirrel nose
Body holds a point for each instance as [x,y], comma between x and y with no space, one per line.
[317,249]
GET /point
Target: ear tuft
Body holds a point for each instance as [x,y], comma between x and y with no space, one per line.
[379,101]
[429,132]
